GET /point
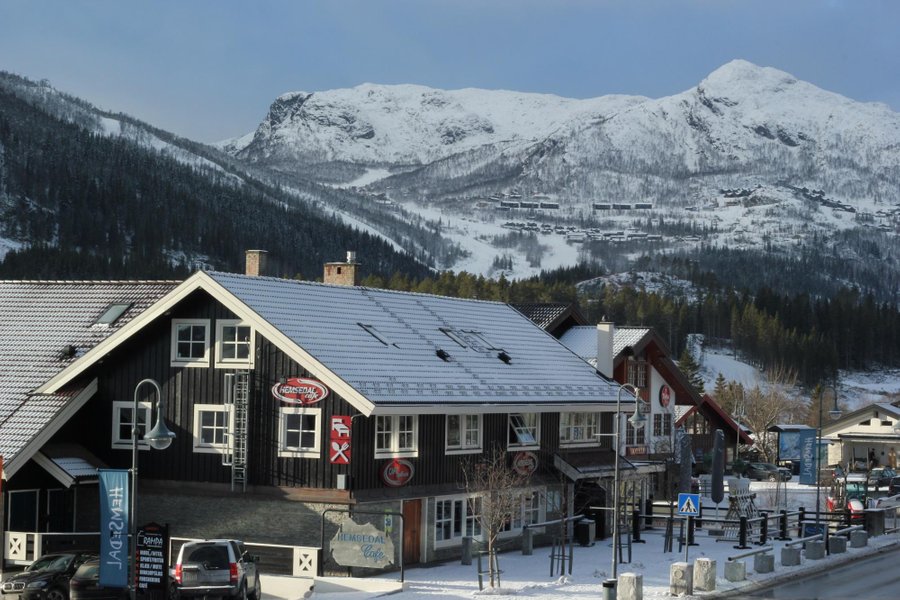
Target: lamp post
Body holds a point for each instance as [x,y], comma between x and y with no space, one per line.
[739,414]
[637,421]
[834,413]
[159,438]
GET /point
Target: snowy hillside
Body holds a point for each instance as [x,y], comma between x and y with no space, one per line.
[750,159]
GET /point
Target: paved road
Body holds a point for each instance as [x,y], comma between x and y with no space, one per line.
[875,578]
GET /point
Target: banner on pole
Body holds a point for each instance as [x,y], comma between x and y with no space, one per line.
[114,506]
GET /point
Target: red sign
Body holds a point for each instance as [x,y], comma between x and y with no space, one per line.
[525,463]
[300,390]
[340,440]
[665,396]
[397,472]
[636,451]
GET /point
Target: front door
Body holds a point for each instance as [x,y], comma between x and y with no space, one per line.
[412,524]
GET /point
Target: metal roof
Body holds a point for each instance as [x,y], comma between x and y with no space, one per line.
[384,344]
[44,327]
[582,340]
[624,337]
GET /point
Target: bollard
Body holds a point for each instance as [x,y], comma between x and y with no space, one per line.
[690,532]
[735,570]
[874,522]
[609,589]
[790,556]
[636,527]
[763,563]
[783,526]
[705,575]
[814,550]
[742,535]
[648,512]
[764,528]
[466,551]
[631,587]
[681,579]
[858,539]
[837,544]
[527,542]
[800,519]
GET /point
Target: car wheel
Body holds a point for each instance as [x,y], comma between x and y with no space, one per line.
[56,594]
[257,591]
[242,594]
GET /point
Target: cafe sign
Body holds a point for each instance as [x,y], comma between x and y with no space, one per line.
[356,545]
[300,390]
[397,472]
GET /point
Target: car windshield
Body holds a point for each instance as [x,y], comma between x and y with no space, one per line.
[54,562]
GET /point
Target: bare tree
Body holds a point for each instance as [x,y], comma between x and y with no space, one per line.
[768,405]
[495,496]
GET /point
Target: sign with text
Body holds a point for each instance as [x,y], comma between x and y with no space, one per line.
[397,472]
[113,527]
[152,548]
[356,545]
[665,396]
[300,390]
[339,453]
[808,474]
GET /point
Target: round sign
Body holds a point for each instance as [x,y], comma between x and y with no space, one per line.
[300,390]
[525,463]
[665,396]
[397,472]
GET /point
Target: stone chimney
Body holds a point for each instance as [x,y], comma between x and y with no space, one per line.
[605,333]
[343,273]
[256,262]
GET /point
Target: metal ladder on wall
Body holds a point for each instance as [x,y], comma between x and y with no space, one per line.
[237,394]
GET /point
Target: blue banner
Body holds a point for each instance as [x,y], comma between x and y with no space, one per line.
[113,527]
[808,457]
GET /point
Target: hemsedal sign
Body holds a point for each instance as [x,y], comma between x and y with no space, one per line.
[300,390]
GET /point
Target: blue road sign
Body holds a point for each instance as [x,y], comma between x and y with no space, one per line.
[689,504]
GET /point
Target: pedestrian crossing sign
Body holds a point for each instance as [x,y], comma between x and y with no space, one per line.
[689,504]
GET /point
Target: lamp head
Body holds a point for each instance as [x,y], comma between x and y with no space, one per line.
[160,437]
[638,419]
[835,414]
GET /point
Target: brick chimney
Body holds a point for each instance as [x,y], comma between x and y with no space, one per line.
[343,273]
[256,262]
[605,359]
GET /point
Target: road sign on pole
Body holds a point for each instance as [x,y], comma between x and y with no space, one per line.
[689,504]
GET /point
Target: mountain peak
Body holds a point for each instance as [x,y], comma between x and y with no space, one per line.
[744,75]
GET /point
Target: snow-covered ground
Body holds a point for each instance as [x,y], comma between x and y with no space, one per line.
[530,576]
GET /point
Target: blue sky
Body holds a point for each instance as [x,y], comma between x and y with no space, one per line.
[208,69]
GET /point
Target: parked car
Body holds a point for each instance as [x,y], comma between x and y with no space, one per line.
[85,584]
[47,578]
[880,477]
[217,568]
[767,472]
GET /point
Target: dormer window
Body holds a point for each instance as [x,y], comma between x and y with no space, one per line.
[636,372]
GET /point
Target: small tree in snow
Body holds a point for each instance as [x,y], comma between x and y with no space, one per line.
[495,497]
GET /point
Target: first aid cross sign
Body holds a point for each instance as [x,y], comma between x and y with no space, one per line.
[689,504]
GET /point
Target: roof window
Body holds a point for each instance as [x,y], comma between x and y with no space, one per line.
[112,313]
[370,329]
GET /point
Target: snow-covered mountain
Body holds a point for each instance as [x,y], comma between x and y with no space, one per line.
[750,158]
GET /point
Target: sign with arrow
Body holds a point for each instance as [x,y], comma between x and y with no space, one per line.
[689,504]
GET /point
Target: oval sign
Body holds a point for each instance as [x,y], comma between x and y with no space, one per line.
[665,396]
[300,390]
[397,472]
[525,463]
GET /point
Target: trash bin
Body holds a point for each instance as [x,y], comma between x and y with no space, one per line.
[585,532]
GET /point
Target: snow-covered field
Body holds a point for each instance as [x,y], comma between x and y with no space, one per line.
[530,576]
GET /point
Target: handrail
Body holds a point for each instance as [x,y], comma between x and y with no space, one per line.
[811,538]
[762,550]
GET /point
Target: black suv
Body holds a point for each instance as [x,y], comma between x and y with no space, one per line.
[217,568]
[47,578]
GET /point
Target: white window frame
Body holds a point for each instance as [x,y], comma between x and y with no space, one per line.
[177,361]
[536,434]
[574,434]
[395,450]
[661,422]
[464,446]
[466,520]
[221,361]
[202,447]
[315,451]
[125,443]
[532,509]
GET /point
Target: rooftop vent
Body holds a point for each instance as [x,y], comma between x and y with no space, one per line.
[502,355]
[443,354]
[69,351]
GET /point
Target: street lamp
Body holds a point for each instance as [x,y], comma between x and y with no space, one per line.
[159,438]
[637,420]
[834,413]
